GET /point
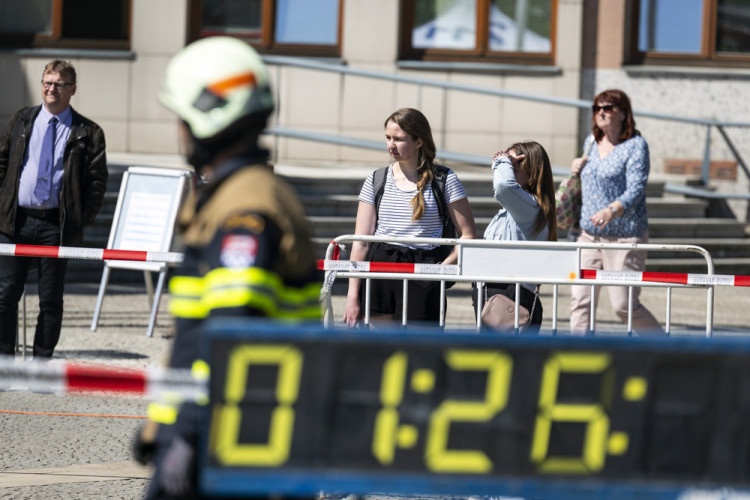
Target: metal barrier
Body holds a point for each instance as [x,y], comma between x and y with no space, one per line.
[553,263]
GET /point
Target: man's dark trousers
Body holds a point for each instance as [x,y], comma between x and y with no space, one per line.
[37,229]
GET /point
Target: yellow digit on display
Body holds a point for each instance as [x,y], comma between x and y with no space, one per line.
[385,435]
[593,415]
[226,425]
[438,457]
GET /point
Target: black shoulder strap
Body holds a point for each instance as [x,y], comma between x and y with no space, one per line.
[378,186]
[438,190]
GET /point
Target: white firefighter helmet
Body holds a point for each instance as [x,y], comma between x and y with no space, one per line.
[213,83]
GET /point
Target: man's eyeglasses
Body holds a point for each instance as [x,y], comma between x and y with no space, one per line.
[607,108]
[57,85]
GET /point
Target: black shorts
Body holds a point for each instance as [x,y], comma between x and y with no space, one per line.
[386,296]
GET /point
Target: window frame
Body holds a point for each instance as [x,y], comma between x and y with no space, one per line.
[55,40]
[267,45]
[707,56]
[481,52]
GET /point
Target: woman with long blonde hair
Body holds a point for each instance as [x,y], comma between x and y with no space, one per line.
[407,206]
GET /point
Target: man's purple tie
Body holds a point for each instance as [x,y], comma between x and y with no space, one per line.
[46,162]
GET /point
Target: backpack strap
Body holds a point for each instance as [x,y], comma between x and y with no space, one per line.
[438,190]
[378,187]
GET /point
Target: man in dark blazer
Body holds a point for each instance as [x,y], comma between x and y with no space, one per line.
[53,176]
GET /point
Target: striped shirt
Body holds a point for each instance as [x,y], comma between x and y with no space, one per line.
[395,212]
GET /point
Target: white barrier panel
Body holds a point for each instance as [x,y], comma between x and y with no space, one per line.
[551,263]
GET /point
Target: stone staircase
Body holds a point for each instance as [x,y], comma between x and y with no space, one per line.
[331,205]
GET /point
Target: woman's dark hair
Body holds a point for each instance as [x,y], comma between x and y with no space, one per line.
[414,123]
[621,100]
[537,166]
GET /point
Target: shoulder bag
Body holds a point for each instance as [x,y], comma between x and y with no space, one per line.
[499,310]
[568,199]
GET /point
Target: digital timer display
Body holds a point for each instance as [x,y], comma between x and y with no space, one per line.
[300,410]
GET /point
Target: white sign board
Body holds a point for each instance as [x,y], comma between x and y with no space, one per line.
[146,212]
[144,220]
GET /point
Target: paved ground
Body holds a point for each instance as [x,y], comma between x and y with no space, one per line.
[72,446]
[51,450]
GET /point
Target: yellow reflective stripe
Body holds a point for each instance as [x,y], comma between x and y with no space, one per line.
[224,288]
[186,286]
[302,303]
[162,413]
[186,293]
[187,308]
[201,371]
[250,286]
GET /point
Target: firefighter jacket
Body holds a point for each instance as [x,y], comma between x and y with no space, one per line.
[248,253]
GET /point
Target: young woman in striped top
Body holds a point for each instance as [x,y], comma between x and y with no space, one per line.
[407,208]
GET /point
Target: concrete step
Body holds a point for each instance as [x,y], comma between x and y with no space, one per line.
[486,206]
[680,229]
[717,247]
[475,184]
[332,226]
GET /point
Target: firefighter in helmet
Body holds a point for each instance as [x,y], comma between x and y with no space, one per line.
[247,246]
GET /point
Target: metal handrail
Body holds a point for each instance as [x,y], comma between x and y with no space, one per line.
[525,245]
[317,65]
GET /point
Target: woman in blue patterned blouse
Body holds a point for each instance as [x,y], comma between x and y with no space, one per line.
[613,181]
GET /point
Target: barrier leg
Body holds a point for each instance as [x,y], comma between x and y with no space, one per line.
[406,302]
[592,316]
[516,321]
[442,304]
[710,311]
[23,327]
[554,308]
[480,303]
[155,305]
[100,297]
[668,328]
[149,287]
[367,302]
[630,311]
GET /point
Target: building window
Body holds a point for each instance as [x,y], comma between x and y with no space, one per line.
[514,31]
[65,23]
[692,31]
[296,27]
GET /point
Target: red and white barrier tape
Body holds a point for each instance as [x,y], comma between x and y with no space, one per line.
[589,274]
[387,267]
[364,266]
[52,377]
[88,253]
[677,278]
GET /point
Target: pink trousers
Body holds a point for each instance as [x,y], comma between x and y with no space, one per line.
[611,260]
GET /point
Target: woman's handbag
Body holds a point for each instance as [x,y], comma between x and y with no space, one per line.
[568,199]
[498,312]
